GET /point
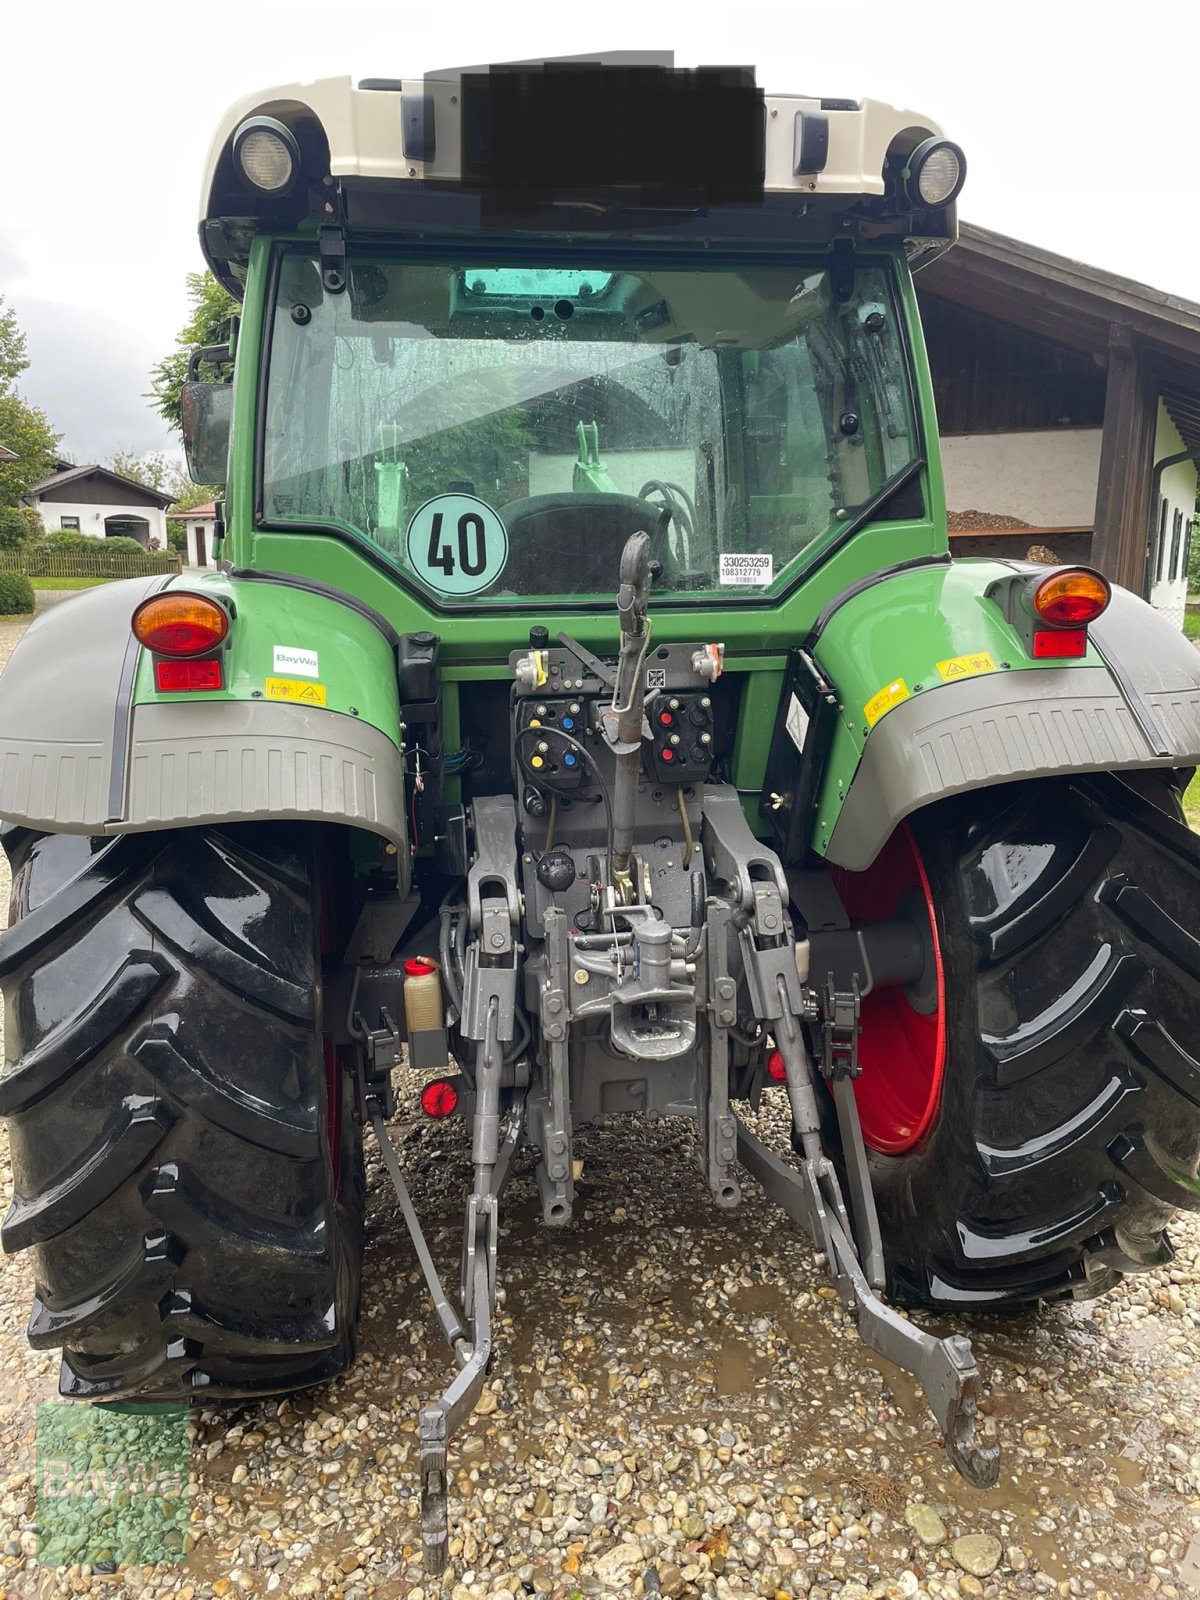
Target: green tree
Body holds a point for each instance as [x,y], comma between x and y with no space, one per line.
[211,308]
[164,473]
[24,429]
[156,470]
[14,530]
[14,358]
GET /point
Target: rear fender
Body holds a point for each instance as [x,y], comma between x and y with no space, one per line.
[307,726]
[937,695]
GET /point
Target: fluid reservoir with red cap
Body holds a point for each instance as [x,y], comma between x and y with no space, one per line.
[422,995]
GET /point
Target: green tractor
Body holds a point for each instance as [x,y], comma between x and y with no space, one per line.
[586,704]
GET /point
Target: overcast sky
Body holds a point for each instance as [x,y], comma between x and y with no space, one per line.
[1078,120]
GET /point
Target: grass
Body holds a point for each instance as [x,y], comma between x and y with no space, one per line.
[1191,802]
[1191,624]
[67,583]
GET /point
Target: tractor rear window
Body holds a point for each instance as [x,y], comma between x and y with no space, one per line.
[498,432]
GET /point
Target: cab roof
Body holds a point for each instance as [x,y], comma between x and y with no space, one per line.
[390,157]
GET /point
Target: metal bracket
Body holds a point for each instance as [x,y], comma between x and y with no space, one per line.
[381,1052]
[718,1127]
[842,1024]
[731,852]
[945,1368]
[495,825]
[553,1114]
[332,248]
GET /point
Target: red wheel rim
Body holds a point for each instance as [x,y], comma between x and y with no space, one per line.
[902,1051]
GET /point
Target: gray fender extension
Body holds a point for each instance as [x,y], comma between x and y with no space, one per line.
[1141,710]
[76,756]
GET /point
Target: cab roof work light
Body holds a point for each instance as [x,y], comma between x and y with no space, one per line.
[266,155]
[935,174]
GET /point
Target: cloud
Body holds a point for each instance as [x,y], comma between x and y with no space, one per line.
[88,374]
[12,263]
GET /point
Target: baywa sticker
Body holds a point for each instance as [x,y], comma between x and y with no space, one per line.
[291,658]
[890,695]
[457,545]
[748,571]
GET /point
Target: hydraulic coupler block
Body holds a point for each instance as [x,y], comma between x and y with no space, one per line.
[681,746]
[548,735]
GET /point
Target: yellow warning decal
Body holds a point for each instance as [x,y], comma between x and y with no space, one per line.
[309,694]
[966,666]
[890,695]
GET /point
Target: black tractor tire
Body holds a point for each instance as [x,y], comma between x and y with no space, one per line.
[187,1160]
[1068,1132]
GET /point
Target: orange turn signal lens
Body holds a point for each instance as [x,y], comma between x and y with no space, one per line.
[180,624]
[1071,597]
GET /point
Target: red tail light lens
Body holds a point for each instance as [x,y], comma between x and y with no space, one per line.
[180,624]
[776,1070]
[1071,598]
[179,677]
[439,1098]
[1059,643]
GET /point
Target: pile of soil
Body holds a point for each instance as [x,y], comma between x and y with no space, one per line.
[982,521]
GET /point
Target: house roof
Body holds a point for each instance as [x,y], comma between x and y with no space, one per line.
[59,480]
[206,511]
[7,455]
[1075,305]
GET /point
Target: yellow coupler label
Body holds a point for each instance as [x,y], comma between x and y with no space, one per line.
[966,666]
[890,695]
[309,694]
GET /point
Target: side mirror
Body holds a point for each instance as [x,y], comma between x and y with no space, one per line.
[206,411]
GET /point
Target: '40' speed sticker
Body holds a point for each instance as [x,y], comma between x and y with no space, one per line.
[457,545]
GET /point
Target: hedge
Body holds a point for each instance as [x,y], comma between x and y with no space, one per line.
[16,594]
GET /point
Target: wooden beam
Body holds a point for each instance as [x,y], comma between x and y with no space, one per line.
[1082,308]
[1030,535]
[1020,310]
[1126,468]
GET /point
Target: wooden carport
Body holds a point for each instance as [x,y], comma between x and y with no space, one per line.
[1148,341]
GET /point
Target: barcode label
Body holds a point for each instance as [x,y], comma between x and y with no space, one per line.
[751,572]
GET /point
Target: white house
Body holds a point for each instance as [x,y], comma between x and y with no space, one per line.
[201,525]
[99,502]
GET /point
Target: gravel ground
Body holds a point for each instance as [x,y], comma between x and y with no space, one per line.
[679,1406]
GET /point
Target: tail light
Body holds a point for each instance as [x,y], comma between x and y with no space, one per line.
[439,1098]
[1050,610]
[180,677]
[776,1068]
[1071,598]
[180,624]
[1058,644]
